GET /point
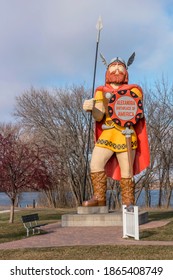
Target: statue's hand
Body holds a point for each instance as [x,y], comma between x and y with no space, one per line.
[88,104]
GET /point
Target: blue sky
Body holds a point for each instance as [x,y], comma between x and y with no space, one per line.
[51,43]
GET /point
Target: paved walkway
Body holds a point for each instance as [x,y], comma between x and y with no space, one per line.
[71,236]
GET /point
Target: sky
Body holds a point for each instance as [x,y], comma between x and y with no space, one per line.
[51,43]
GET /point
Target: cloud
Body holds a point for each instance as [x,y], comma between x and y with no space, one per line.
[52,42]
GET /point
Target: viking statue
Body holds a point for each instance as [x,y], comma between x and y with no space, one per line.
[117,106]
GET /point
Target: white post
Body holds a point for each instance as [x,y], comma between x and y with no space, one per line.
[130,222]
[136,222]
[124,222]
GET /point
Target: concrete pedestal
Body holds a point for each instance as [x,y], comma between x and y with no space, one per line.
[97,216]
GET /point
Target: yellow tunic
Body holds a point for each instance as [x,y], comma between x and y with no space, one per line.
[113,138]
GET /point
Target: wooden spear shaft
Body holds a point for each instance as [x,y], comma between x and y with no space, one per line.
[128,134]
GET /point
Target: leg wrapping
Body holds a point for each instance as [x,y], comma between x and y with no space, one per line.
[127,191]
[99,183]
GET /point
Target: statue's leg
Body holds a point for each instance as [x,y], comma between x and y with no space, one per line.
[100,156]
[127,191]
[126,183]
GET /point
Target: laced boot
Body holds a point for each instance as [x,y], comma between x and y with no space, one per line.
[127,191]
[99,180]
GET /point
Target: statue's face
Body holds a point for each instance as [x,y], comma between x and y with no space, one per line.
[116,73]
[116,68]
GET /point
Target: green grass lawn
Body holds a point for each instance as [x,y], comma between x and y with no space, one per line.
[164,233]
[9,232]
[104,252]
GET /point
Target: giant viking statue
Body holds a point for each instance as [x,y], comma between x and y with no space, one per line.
[117,107]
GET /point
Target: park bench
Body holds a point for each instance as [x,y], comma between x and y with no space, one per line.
[30,222]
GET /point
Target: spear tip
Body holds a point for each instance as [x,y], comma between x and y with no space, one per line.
[99,24]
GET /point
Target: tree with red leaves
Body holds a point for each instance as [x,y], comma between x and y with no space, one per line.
[22,167]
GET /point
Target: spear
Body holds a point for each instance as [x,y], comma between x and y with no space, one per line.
[128,134]
[99,27]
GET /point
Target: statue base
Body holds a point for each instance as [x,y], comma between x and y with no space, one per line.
[98,216]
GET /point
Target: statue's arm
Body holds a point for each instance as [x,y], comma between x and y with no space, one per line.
[96,106]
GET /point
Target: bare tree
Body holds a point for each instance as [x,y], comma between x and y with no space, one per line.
[21,167]
[159,105]
[58,120]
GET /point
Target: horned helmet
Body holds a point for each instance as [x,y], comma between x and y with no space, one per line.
[119,60]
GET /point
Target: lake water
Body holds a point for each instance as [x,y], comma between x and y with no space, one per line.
[27,198]
[154,198]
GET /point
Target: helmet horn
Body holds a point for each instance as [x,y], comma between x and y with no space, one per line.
[131,59]
[103,60]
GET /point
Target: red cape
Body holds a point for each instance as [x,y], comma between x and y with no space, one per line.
[142,157]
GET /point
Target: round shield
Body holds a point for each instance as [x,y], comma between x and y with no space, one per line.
[125,108]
